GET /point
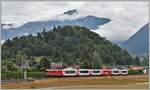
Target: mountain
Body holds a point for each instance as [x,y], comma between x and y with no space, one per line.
[72,45]
[139,42]
[91,22]
[70,12]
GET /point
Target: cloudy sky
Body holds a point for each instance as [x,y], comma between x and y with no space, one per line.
[126,17]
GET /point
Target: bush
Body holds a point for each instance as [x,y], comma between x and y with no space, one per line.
[132,72]
[140,72]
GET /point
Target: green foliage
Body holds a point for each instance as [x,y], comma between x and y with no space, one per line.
[44,63]
[137,61]
[145,62]
[36,74]
[130,72]
[19,58]
[11,75]
[133,72]
[8,65]
[67,45]
[19,75]
[140,72]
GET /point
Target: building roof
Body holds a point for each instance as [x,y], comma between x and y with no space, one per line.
[136,68]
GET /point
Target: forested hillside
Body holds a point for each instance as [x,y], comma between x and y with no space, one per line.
[69,45]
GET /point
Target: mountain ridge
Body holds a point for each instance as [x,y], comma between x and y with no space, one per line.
[71,12]
[134,44]
[91,22]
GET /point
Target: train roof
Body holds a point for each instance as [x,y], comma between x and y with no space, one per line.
[116,67]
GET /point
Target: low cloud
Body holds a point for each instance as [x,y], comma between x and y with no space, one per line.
[126,17]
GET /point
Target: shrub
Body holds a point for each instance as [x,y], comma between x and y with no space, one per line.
[140,72]
[132,72]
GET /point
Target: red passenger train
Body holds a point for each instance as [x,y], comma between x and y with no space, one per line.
[85,72]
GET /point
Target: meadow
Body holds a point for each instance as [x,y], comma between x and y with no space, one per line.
[97,82]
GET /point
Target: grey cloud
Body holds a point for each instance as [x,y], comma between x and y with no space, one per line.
[127,17]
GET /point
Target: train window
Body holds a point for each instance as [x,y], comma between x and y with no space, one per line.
[124,71]
[96,71]
[69,72]
[115,71]
[84,71]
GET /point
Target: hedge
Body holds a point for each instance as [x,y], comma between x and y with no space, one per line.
[11,75]
[19,75]
[36,74]
[131,72]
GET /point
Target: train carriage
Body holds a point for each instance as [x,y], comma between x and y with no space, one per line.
[106,72]
[95,71]
[124,71]
[115,71]
[83,72]
[69,72]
